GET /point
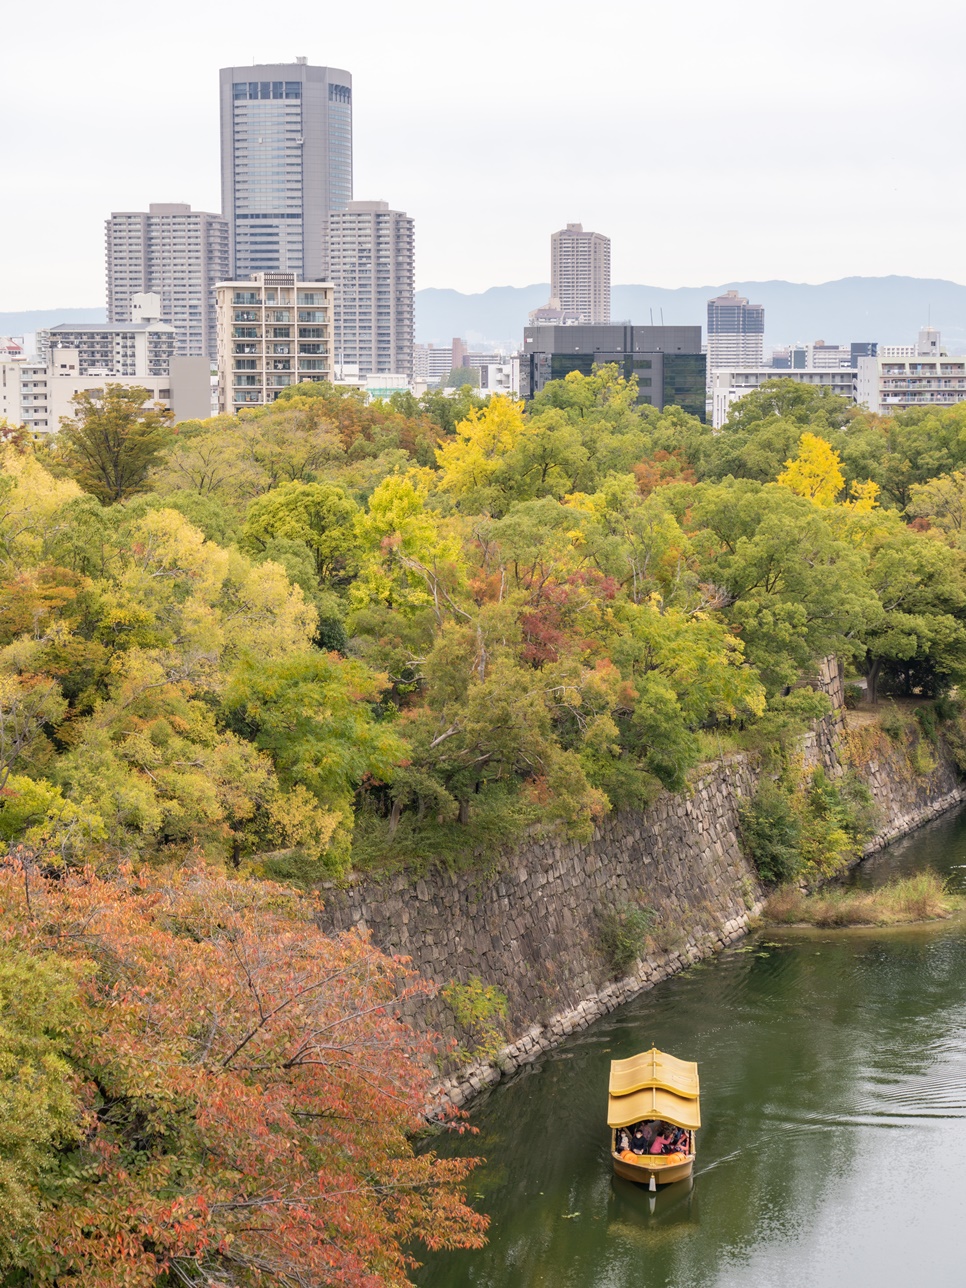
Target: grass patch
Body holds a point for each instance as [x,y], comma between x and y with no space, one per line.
[923,897]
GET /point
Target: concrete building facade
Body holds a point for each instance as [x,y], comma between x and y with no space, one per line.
[666,360]
[371,263]
[142,348]
[273,331]
[176,253]
[38,394]
[727,387]
[580,275]
[736,334]
[286,162]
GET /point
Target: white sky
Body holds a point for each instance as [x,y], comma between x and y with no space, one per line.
[711,140]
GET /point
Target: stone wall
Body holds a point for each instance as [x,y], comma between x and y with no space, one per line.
[532,928]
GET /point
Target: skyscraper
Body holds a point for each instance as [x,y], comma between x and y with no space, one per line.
[736,333]
[371,264]
[580,274]
[176,253]
[286,162]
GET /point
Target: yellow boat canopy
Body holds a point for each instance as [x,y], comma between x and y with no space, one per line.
[654,1085]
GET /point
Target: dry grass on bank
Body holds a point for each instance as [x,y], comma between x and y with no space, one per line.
[923,897]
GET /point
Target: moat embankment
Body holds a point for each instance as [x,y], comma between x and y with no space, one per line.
[532,929]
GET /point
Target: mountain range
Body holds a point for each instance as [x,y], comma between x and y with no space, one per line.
[890,310]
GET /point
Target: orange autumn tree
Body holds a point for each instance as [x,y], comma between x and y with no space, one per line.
[242,1095]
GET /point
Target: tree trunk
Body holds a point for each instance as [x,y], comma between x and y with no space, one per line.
[394,816]
[464,814]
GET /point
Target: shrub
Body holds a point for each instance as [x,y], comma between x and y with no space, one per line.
[622,934]
[771,833]
[480,1011]
[853,696]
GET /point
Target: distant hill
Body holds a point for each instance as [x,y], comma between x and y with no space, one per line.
[887,309]
[36,319]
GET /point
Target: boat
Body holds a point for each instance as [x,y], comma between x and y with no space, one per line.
[653,1088]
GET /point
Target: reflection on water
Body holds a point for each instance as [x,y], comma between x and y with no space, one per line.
[833,1070]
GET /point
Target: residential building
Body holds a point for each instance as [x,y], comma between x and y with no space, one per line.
[736,334]
[11,348]
[551,314]
[432,362]
[501,377]
[372,267]
[580,275]
[286,163]
[176,253]
[144,347]
[38,394]
[727,387]
[895,379]
[273,331]
[666,360]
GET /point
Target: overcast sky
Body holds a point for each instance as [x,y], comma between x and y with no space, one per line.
[712,141]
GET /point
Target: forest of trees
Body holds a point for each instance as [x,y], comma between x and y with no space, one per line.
[265,649]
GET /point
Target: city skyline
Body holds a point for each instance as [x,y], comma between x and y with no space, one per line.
[429,111]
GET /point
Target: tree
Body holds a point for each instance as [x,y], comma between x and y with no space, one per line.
[815,472]
[200,1088]
[319,515]
[113,440]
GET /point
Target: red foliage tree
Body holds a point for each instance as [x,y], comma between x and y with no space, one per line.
[246,1092]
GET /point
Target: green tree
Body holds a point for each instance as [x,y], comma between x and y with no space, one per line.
[113,440]
[319,515]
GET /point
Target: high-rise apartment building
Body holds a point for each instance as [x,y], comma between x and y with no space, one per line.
[144,347]
[371,264]
[273,331]
[286,162]
[580,275]
[176,253]
[736,333]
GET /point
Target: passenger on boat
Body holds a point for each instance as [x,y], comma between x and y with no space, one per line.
[662,1141]
[641,1138]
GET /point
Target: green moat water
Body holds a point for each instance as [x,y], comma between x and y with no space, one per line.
[833,1152]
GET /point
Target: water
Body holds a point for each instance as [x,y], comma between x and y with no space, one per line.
[833,1152]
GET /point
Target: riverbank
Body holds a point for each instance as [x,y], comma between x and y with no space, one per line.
[919,898]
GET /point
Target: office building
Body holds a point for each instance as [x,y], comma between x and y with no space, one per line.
[144,347]
[580,275]
[666,360]
[176,253]
[371,265]
[727,387]
[896,379]
[37,394]
[273,331]
[286,162]
[736,334]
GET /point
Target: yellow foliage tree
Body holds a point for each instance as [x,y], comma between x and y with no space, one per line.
[470,460]
[816,472]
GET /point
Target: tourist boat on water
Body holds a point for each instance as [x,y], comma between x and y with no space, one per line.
[653,1089]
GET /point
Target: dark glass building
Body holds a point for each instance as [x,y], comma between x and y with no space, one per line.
[667,360]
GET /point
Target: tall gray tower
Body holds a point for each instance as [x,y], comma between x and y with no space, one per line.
[286,163]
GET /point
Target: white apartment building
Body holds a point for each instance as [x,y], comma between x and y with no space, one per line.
[273,331]
[431,362]
[371,263]
[736,334]
[501,377]
[176,253]
[143,347]
[580,275]
[903,376]
[37,394]
[728,386]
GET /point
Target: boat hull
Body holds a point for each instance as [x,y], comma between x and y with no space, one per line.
[641,1174]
